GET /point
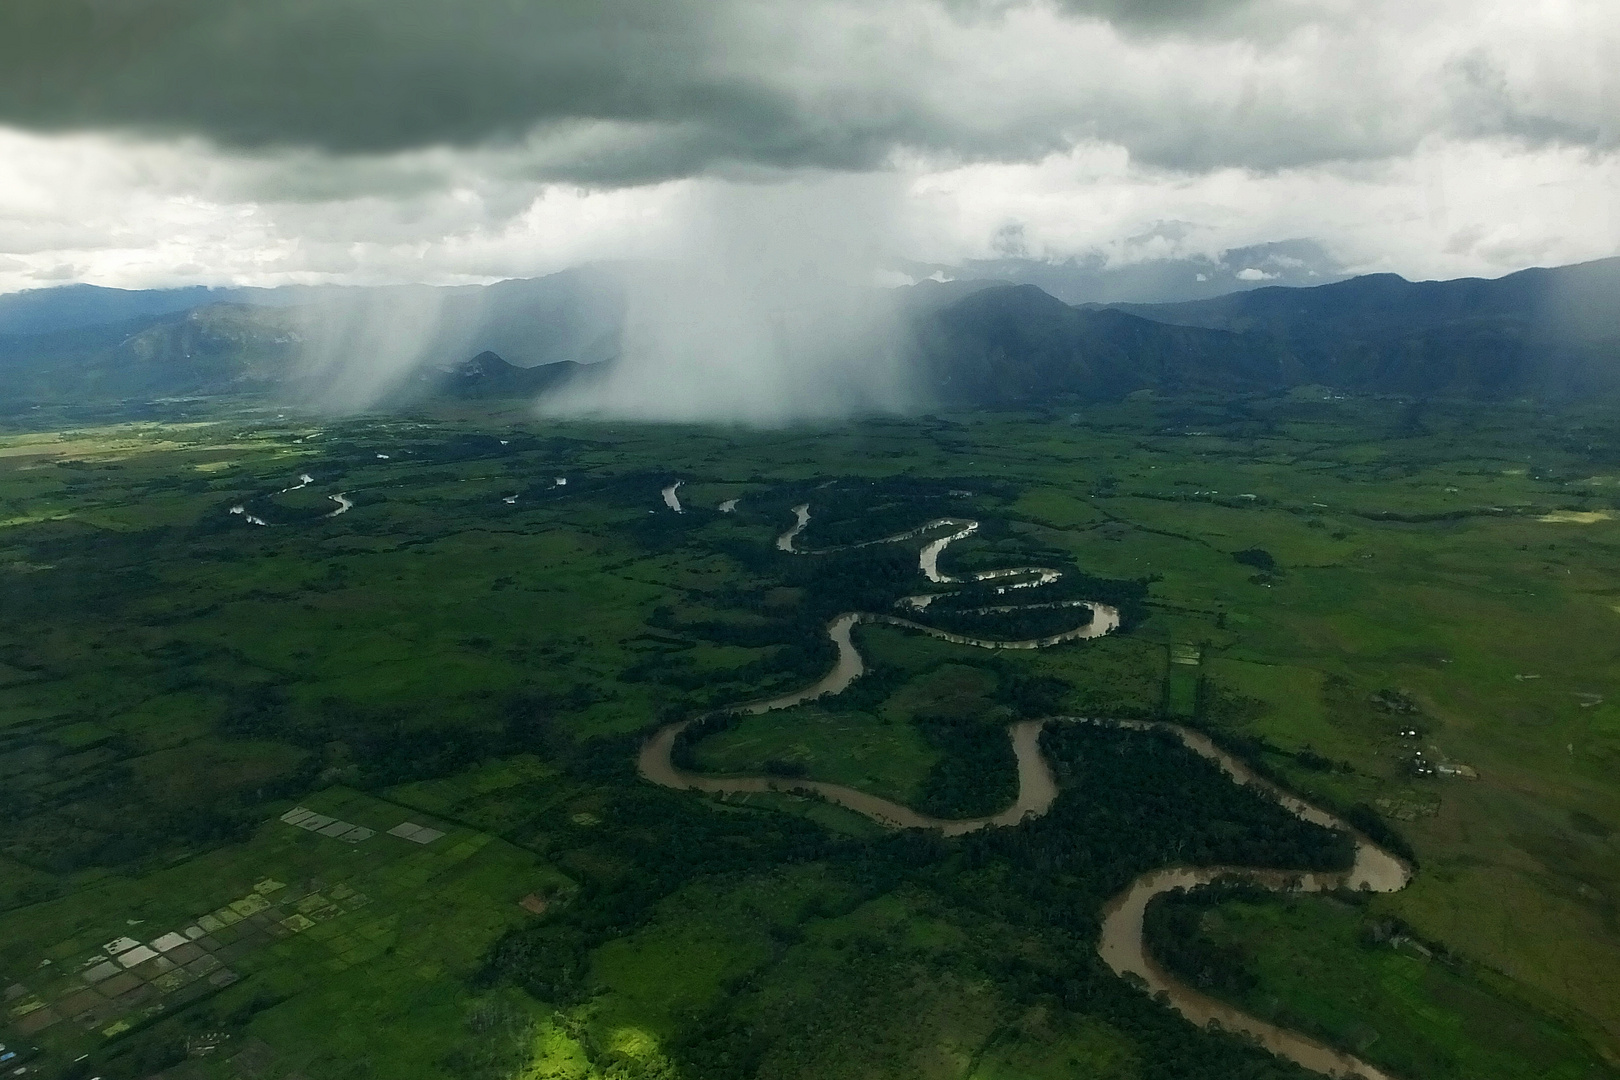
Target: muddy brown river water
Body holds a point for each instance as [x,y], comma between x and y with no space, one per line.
[1121,945]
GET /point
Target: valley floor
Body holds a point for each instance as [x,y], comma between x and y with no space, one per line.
[1405,612]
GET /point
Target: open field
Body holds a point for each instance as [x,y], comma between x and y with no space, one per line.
[1358,981]
[855,749]
[1323,577]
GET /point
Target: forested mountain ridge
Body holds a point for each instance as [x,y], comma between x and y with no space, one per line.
[1577,300]
[215,349]
[1015,345]
[1545,334]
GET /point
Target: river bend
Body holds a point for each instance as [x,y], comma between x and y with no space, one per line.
[1121,945]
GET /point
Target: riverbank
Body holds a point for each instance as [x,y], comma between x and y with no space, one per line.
[1121,944]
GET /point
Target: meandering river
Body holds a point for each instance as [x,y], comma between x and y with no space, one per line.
[1121,945]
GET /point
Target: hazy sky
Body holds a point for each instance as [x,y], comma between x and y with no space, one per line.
[155,142]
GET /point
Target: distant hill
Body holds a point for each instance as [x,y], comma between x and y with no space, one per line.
[488,376]
[528,317]
[1015,345]
[1567,300]
[77,307]
[210,350]
[299,343]
[1550,334]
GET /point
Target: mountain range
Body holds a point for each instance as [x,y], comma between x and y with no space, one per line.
[1546,334]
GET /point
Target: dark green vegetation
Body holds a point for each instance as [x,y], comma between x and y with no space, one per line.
[173,679]
[1364,983]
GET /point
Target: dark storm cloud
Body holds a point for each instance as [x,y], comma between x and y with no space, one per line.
[1157,14]
[382,75]
[618,92]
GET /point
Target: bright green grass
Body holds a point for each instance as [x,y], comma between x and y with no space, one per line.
[1182,696]
[1038,1049]
[831,816]
[888,758]
[872,991]
[1412,1013]
[702,937]
[1296,716]
[830,985]
[1112,676]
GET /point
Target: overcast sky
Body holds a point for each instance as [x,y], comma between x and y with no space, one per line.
[161,142]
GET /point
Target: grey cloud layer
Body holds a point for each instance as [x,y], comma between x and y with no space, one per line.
[675,80]
[625,91]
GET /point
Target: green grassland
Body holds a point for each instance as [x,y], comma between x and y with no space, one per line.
[1347,977]
[173,677]
[855,749]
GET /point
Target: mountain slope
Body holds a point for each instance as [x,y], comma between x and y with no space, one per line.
[308,343]
[1546,333]
[76,307]
[1577,300]
[489,376]
[1015,345]
[217,349]
[529,320]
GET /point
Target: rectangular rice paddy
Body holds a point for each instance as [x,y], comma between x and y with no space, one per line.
[292,908]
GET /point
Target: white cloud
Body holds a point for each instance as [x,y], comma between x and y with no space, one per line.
[1429,137]
[1447,209]
[132,213]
